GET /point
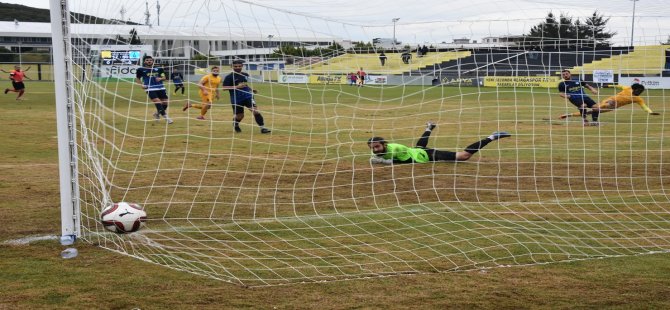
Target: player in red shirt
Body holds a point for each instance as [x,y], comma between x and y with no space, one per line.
[17,77]
[361,77]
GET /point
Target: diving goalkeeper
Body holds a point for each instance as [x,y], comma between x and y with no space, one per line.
[394,153]
[627,95]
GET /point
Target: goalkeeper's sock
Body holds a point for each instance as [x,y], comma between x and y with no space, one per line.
[475,147]
[423,141]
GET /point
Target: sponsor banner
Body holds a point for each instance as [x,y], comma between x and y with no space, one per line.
[119,72]
[603,76]
[648,82]
[453,81]
[120,61]
[521,81]
[301,79]
[328,79]
[376,79]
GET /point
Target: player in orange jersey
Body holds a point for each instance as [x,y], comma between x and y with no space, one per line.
[17,76]
[209,90]
[627,95]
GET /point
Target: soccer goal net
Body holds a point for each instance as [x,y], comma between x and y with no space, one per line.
[304,202]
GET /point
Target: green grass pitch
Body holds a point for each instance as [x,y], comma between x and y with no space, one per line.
[551,162]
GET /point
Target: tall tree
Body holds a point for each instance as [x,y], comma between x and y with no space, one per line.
[565,31]
[596,33]
[545,32]
[566,27]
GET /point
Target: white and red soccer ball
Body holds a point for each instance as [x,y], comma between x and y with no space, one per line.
[123,217]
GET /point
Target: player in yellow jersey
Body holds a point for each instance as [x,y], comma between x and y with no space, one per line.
[209,90]
[627,95]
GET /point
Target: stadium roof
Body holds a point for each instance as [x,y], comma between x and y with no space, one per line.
[32,29]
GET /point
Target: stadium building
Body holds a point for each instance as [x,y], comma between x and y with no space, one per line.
[177,43]
[460,62]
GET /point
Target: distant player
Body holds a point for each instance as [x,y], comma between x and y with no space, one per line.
[241,96]
[573,90]
[360,77]
[17,76]
[151,79]
[209,90]
[353,79]
[627,95]
[178,81]
[394,153]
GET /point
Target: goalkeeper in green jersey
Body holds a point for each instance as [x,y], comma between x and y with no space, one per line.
[394,153]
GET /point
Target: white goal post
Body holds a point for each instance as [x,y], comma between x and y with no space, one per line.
[64,93]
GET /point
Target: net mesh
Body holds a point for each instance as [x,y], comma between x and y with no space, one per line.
[304,203]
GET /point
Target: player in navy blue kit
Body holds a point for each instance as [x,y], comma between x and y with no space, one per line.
[242,96]
[573,90]
[151,79]
[178,81]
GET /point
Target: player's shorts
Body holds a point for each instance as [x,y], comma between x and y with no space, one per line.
[608,104]
[207,98]
[239,107]
[18,85]
[157,94]
[579,100]
[615,102]
[436,155]
[179,84]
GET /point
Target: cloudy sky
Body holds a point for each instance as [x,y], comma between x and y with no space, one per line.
[419,21]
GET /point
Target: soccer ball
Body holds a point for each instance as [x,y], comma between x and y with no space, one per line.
[123,217]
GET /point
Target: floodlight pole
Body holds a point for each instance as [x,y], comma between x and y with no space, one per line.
[65,125]
[394,20]
[632,26]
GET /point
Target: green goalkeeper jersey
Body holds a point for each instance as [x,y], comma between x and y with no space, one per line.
[402,153]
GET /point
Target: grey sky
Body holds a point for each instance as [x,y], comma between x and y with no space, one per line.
[420,21]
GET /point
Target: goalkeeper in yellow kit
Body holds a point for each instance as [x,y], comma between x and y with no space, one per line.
[627,95]
[209,90]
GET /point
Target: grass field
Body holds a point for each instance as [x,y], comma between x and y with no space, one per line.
[555,192]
